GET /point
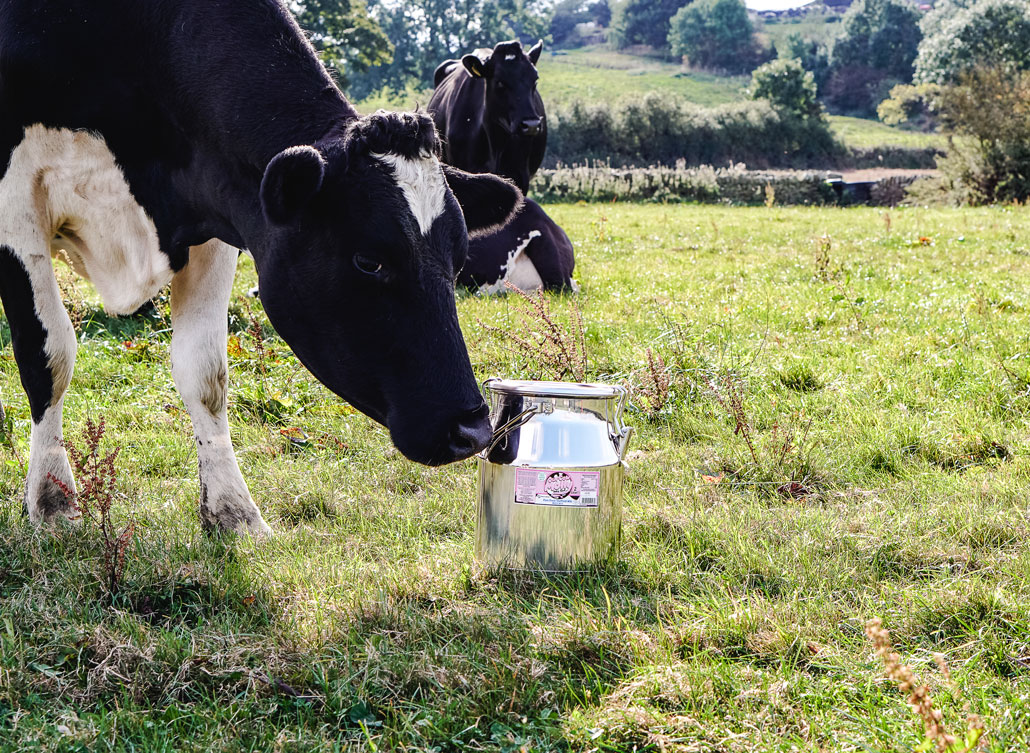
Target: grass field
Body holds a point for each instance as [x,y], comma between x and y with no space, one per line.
[879,366]
[860,133]
[597,74]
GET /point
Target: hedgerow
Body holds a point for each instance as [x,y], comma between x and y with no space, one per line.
[658,129]
[659,184]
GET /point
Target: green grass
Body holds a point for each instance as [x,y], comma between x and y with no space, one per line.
[733,621]
[597,74]
[860,133]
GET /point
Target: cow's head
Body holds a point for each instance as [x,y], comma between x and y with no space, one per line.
[511,98]
[367,232]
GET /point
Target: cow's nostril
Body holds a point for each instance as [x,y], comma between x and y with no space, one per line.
[470,434]
[530,127]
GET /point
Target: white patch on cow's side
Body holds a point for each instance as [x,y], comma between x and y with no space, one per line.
[67,185]
[519,270]
[423,184]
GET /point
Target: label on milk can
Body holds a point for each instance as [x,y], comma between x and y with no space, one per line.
[557,488]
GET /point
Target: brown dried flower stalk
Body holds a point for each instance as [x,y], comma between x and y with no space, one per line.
[919,695]
[653,391]
[98,477]
[560,350]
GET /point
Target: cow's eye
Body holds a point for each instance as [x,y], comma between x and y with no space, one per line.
[368,266]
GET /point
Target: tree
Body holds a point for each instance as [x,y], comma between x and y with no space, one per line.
[424,33]
[788,87]
[813,56]
[644,22]
[568,14]
[989,109]
[714,34]
[963,35]
[345,36]
[874,51]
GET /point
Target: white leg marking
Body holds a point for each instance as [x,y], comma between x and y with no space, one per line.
[27,223]
[423,185]
[200,299]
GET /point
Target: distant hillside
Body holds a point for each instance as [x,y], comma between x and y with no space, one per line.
[597,74]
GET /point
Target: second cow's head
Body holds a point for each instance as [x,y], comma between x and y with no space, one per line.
[366,233]
[510,74]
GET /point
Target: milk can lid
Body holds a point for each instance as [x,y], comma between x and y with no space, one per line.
[553,389]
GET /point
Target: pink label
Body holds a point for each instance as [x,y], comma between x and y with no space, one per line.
[546,486]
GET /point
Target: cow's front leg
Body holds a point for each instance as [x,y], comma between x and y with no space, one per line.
[44,348]
[200,299]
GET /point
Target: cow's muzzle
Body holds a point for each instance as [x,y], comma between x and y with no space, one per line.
[530,127]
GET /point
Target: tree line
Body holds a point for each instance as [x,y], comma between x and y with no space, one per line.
[964,66]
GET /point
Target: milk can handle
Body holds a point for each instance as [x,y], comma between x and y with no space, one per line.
[502,431]
[622,433]
[485,387]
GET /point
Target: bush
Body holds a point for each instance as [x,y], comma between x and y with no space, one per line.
[732,185]
[659,129]
[912,104]
[715,34]
[988,115]
[788,87]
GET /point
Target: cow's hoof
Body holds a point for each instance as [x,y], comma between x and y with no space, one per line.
[233,515]
[50,504]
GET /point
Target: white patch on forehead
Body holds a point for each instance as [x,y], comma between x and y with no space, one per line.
[422,182]
[509,57]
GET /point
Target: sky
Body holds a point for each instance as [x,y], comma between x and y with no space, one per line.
[774,4]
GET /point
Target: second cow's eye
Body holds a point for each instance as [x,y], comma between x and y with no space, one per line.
[368,266]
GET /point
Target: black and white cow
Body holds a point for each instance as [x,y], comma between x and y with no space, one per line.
[489,113]
[531,252]
[151,138]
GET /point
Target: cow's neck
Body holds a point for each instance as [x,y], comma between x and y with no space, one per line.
[282,99]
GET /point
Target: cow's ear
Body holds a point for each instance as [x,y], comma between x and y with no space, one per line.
[291,179]
[475,66]
[534,51]
[487,202]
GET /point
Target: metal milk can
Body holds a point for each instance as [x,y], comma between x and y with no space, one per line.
[550,482]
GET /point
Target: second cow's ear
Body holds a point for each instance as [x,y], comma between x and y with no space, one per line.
[475,66]
[487,202]
[534,51]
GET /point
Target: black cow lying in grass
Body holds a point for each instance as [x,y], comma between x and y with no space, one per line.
[530,252]
[151,138]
